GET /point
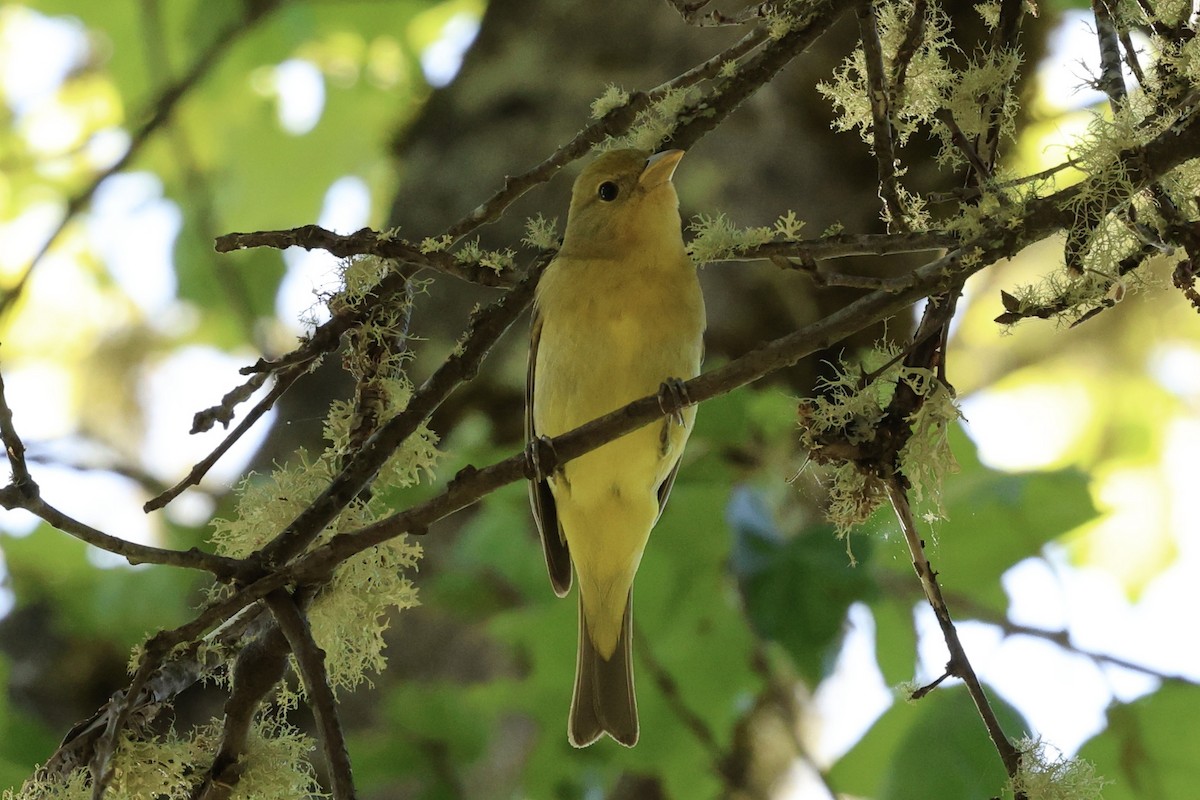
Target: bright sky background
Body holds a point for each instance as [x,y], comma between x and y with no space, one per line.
[1063,695]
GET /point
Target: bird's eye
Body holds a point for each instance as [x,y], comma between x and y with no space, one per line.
[608,191]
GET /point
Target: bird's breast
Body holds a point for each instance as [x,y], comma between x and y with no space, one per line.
[610,336]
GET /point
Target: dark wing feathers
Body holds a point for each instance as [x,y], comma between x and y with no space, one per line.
[545,514]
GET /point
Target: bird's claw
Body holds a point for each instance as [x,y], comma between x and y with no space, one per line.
[540,459]
[673,399]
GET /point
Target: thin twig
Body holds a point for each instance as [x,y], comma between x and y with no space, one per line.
[713,19]
[1131,59]
[24,493]
[22,481]
[1112,82]
[258,668]
[103,762]
[958,665]
[982,173]
[914,34]
[842,245]
[310,660]
[283,381]
[713,66]
[221,567]
[708,112]
[880,95]
[614,122]
[364,242]
[223,412]
[485,329]
[1004,37]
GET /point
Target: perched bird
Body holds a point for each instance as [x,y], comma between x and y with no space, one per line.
[618,315]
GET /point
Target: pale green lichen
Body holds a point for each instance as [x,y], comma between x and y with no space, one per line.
[274,766]
[657,122]
[1073,296]
[613,97]
[360,276]
[349,616]
[1043,776]
[926,456]
[788,226]
[906,691]
[431,245]
[989,77]
[1171,12]
[780,21]
[932,88]
[541,233]
[847,411]
[927,79]
[989,12]
[717,238]
[473,253]
[916,210]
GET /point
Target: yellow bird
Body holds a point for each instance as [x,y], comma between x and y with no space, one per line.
[618,316]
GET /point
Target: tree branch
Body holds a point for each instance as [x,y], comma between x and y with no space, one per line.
[23,492]
[310,659]
[365,242]
[959,665]
[880,96]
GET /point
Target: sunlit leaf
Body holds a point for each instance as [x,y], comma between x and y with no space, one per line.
[1150,749]
[929,750]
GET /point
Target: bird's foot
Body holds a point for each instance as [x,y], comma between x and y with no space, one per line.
[540,459]
[673,399]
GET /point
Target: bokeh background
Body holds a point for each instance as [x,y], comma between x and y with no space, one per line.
[1070,550]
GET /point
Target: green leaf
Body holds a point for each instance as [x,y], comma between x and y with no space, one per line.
[932,749]
[1150,749]
[692,651]
[895,639]
[994,520]
[800,596]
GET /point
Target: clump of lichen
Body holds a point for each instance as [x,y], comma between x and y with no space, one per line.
[1043,776]
[656,123]
[349,614]
[473,253]
[614,97]
[928,78]
[541,233]
[839,428]
[715,238]
[274,766]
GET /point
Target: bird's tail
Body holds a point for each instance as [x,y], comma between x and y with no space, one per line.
[603,701]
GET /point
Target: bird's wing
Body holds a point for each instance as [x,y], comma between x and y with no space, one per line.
[545,513]
[664,488]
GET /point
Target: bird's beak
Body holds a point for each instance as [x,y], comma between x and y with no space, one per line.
[659,168]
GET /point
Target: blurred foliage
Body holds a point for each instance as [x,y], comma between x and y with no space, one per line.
[744,586]
[1150,749]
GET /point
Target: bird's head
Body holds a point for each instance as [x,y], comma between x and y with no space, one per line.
[624,201]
